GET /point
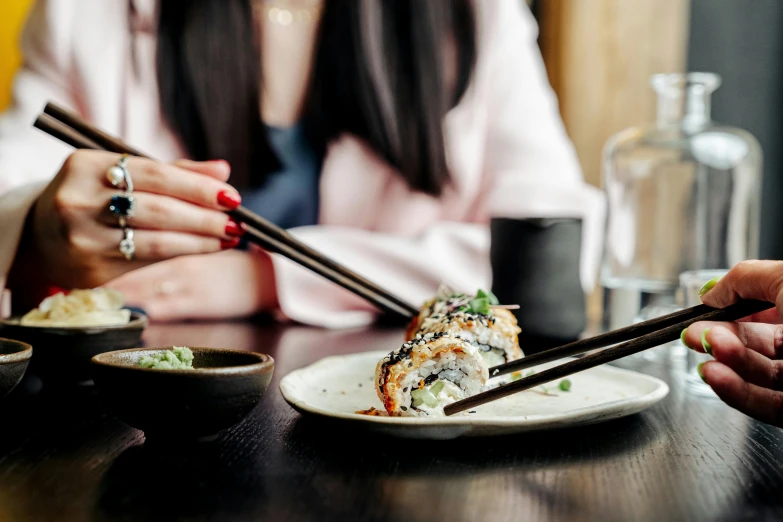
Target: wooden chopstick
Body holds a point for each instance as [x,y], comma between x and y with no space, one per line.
[64,133]
[665,335]
[599,341]
[281,235]
[71,129]
[106,141]
[275,246]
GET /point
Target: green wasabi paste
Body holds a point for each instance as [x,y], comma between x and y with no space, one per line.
[178,358]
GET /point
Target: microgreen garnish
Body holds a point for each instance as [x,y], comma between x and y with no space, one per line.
[482,303]
[481,294]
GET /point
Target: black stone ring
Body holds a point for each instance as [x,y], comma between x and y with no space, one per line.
[123,206]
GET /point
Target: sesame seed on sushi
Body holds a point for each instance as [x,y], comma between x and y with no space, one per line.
[495,335]
[477,319]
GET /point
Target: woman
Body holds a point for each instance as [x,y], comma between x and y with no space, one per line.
[384,133]
[748,369]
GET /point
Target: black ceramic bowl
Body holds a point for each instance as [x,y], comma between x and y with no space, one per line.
[224,387]
[62,354]
[14,358]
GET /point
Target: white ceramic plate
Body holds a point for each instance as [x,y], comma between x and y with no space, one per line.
[340,386]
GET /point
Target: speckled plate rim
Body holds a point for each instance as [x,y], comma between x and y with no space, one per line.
[590,414]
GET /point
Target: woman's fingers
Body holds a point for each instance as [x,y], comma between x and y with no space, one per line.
[762,280]
[156,212]
[765,339]
[156,245]
[749,364]
[218,169]
[170,180]
[758,402]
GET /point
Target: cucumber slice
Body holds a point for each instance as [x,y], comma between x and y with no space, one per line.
[424,396]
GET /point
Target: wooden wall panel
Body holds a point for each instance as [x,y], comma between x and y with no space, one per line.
[600,55]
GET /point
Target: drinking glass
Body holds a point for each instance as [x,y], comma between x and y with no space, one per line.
[690,284]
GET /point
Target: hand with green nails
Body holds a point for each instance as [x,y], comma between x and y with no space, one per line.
[747,372]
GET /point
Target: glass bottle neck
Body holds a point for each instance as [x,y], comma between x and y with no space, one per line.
[689,107]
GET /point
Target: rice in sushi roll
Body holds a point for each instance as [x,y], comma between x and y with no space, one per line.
[426,374]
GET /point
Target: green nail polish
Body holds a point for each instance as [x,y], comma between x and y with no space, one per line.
[698,369]
[704,343]
[682,337]
[708,285]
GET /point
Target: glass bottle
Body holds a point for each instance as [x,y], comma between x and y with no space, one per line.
[683,194]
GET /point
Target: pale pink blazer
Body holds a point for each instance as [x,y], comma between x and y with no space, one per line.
[508,154]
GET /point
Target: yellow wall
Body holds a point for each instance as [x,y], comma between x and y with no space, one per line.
[12,14]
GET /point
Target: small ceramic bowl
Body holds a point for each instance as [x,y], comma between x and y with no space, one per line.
[14,358]
[62,354]
[222,389]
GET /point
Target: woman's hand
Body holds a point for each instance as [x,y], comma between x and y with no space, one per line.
[217,286]
[748,369]
[74,239]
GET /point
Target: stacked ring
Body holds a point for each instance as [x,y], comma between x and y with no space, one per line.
[119,176]
[123,205]
[127,246]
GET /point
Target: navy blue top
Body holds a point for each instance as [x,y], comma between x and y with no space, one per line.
[289,197]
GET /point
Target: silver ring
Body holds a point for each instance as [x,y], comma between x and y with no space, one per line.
[119,175]
[127,246]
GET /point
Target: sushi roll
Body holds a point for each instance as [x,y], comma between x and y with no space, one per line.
[425,374]
[477,319]
[446,300]
[495,334]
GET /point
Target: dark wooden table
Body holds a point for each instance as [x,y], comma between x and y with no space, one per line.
[64,457]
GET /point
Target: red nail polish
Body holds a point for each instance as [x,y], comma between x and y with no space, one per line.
[225,244]
[234,229]
[229,199]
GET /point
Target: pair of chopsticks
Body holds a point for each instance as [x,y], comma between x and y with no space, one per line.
[76,132]
[639,337]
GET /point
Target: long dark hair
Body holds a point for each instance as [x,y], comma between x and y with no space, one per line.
[380,74]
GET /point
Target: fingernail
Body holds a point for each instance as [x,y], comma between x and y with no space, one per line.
[225,244]
[708,285]
[223,164]
[682,337]
[698,370]
[234,229]
[229,199]
[704,343]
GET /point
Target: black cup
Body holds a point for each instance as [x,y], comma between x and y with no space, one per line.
[535,264]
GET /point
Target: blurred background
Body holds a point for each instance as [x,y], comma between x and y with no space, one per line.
[600,55]
[12,15]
